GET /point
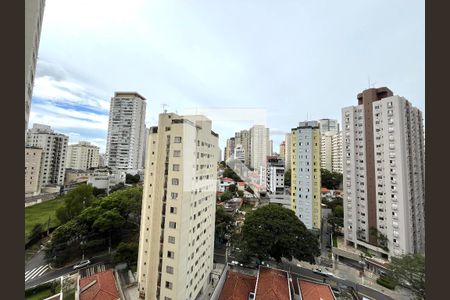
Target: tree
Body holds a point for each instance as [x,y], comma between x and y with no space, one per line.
[108,222]
[224,224]
[381,239]
[36,231]
[228,172]
[75,201]
[240,194]
[117,187]
[330,180]
[232,188]
[287,178]
[226,196]
[410,269]
[275,231]
[132,179]
[127,252]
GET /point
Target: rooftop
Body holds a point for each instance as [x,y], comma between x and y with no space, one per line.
[272,284]
[100,286]
[315,291]
[237,286]
[128,94]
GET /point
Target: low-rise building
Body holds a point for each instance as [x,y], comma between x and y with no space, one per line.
[100,286]
[105,179]
[310,290]
[76,176]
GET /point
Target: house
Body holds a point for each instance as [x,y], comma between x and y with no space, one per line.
[237,286]
[272,284]
[325,194]
[310,290]
[100,286]
[241,186]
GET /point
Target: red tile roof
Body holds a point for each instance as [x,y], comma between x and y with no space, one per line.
[226,179]
[104,287]
[324,190]
[272,284]
[237,286]
[241,183]
[315,291]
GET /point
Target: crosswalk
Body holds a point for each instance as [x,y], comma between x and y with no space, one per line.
[36,272]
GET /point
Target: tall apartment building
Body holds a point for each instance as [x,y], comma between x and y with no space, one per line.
[82,156]
[329,125]
[305,174]
[239,153]
[275,175]
[326,160]
[178,209]
[229,148]
[270,148]
[34,13]
[283,150]
[260,146]
[54,146]
[336,153]
[243,138]
[126,132]
[33,167]
[384,174]
[287,152]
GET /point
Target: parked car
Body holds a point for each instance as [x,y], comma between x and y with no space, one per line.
[322,272]
[82,264]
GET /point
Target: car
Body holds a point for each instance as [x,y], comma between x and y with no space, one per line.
[323,273]
[82,264]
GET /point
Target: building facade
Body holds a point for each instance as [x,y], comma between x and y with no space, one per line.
[275,175]
[229,148]
[33,167]
[176,245]
[287,152]
[260,146]
[329,125]
[243,138]
[305,174]
[82,156]
[54,146]
[384,174]
[283,150]
[336,153]
[34,13]
[326,159]
[126,132]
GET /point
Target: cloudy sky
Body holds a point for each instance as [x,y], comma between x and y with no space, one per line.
[239,62]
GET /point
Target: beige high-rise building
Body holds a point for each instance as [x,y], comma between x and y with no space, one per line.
[287,153]
[243,138]
[283,150]
[336,153]
[326,151]
[260,146]
[126,132]
[34,13]
[82,156]
[229,148]
[33,165]
[176,244]
[305,177]
[384,174]
[54,146]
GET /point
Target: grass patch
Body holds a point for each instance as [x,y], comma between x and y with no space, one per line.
[246,207]
[43,291]
[39,214]
[387,283]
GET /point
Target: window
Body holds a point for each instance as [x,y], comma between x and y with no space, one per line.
[172,225]
[176,153]
[171,239]
[168,285]
[175,181]
[174,196]
[170,254]
[177,139]
[176,167]
[169,269]
[173,210]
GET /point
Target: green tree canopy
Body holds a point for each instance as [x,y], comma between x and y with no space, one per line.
[275,231]
[410,269]
[232,188]
[132,179]
[127,252]
[75,201]
[287,178]
[228,172]
[109,221]
[330,180]
[224,224]
[226,196]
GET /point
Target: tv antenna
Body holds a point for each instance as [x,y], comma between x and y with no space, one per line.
[164,105]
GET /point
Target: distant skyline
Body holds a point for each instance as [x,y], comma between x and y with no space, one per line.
[278,62]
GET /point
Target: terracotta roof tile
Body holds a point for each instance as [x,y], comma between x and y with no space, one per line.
[103,289]
[237,286]
[272,284]
[315,291]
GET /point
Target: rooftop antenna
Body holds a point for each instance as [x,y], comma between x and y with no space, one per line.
[164,105]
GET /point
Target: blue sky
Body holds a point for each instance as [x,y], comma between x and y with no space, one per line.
[238,62]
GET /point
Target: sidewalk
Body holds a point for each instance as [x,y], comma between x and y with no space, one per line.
[342,271]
